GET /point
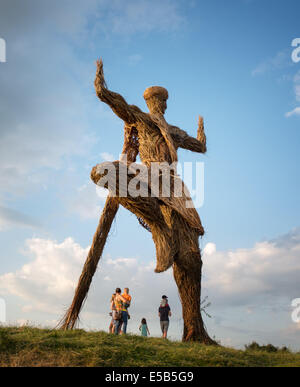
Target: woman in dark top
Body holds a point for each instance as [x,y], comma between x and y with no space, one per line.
[164,312]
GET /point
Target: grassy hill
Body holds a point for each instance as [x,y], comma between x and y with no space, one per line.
[27,346]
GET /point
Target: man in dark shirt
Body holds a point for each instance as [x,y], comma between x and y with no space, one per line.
[164,311]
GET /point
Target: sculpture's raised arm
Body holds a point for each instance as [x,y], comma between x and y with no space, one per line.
[183,140]
[117,103]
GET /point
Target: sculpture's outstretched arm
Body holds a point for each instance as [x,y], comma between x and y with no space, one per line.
[117,103]
[183,140]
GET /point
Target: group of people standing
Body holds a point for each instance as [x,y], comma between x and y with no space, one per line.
[119,304]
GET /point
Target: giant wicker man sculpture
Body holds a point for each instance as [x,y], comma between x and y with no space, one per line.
[175,227]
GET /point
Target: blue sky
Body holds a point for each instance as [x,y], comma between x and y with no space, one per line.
[228,61]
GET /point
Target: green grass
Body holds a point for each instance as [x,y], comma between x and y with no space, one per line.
[28,346]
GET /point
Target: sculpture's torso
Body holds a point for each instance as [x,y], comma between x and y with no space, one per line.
[152,145]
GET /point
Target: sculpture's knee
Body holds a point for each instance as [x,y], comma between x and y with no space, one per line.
[107,175]
[94,175]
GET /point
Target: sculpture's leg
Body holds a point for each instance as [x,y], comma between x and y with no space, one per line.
[187,273]
[108,214]
[189,288]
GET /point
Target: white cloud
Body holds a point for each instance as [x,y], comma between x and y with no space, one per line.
[48,277]
[263,278]
[264,274]
[295,112]
[209,249]
[46,283]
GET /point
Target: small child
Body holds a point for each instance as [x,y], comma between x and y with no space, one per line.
[144,328]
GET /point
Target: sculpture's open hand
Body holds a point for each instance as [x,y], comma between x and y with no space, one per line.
[99,80]
[200,132]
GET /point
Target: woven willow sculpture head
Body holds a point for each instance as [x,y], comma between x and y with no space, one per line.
[156,99]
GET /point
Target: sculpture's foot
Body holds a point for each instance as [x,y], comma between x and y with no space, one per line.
[194,334]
